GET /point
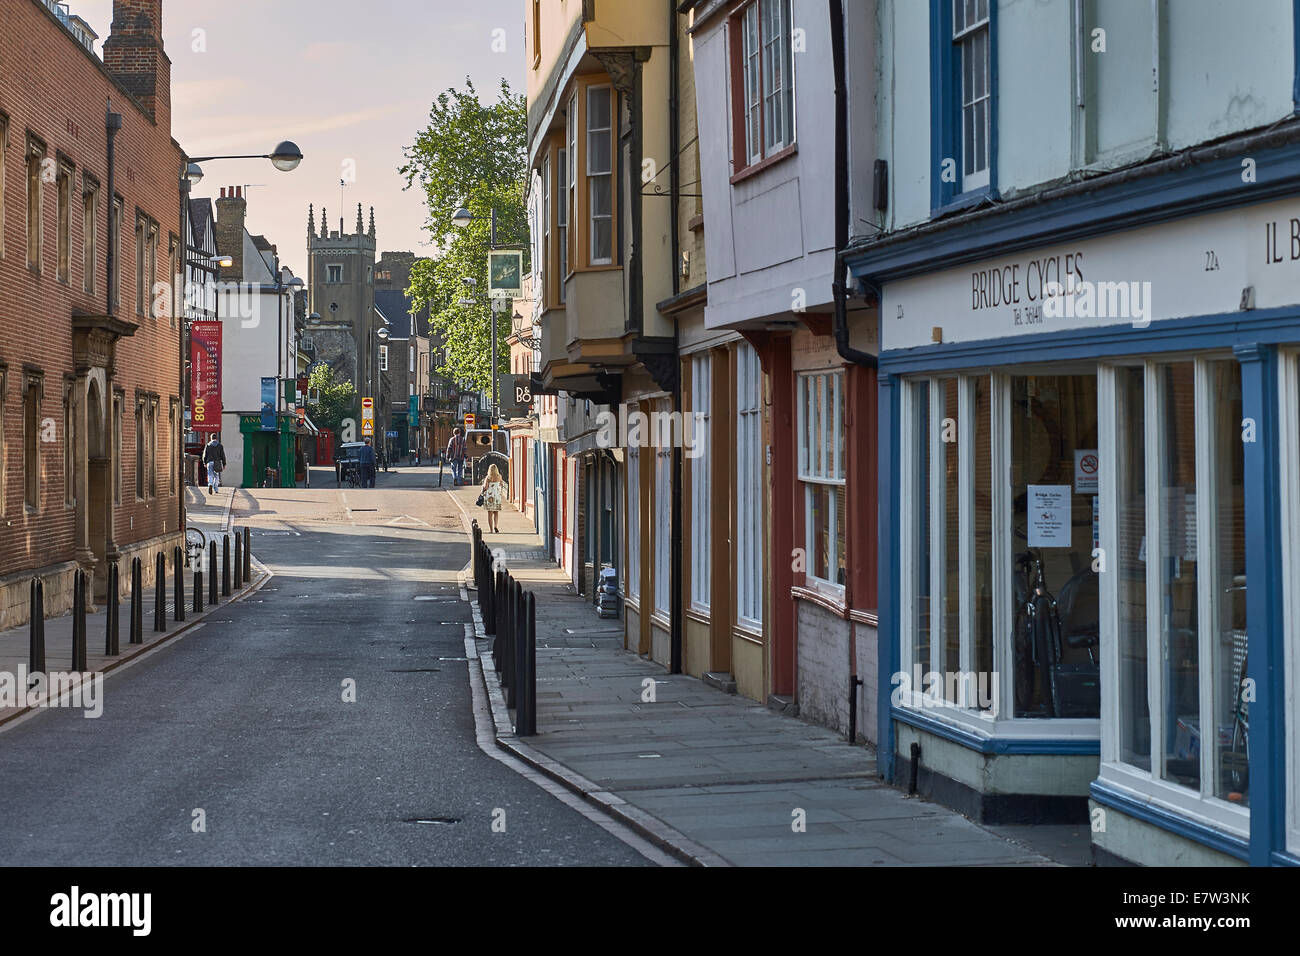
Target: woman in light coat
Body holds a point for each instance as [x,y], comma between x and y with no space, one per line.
[494,496]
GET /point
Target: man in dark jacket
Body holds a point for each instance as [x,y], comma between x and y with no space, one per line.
[456,456]
[214,456]
[366,462]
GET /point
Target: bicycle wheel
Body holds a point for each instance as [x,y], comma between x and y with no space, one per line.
[1239,756]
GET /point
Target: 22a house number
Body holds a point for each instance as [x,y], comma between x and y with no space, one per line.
[1211,261]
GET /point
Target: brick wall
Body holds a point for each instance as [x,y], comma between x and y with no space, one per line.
[52,88]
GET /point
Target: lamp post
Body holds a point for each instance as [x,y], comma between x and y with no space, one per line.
[285,157]
[381,334]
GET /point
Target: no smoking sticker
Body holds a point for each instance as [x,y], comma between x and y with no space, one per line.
[1086,467]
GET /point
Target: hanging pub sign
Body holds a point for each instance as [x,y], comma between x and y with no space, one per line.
[505,274]
[205,376]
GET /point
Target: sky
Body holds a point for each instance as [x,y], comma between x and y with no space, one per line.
[351,83]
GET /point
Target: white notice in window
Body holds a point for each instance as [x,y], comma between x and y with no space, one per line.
[1049,516]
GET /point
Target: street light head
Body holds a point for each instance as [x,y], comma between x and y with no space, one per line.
[465,303]
[382,333]
[194,173]
[295,283]
[224,262]
[286,157]
[313,317]
[468,281]
[461,218]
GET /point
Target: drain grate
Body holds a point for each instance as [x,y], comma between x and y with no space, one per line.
[433,821]
[415,670]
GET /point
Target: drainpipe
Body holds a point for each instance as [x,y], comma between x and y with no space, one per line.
[675,576]
[112,123]
[841,321]
[841,324]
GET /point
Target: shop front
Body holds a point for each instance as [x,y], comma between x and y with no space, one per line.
[1090,532]
[269,454]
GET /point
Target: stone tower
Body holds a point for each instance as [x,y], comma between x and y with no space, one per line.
[341,280]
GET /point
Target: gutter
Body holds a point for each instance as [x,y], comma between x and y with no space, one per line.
[674,171]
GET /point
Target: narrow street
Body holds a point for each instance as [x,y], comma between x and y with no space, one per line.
[244,717]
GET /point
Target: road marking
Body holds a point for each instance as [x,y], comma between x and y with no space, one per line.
[402,519]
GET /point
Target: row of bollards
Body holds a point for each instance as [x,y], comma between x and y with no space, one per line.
[510,617]
[112,635]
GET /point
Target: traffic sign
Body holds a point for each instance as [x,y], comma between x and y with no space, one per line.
[368,417]
[469,421]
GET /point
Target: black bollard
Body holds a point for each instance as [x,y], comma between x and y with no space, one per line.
[212,573]
[529,707]
[112,622]
[521,649]
[160,592]
[137,602]
[248,555]
[225,565]
[510,677]
[239,558]
[198,585]
[79,621]
[36,628]
[178,586]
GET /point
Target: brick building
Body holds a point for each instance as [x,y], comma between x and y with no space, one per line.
[90,393]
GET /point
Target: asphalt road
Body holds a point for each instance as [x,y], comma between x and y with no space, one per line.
[244,718]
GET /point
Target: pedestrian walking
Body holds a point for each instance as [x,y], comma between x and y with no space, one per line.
[366,463]
[214,456]
[493,497]
[456,456]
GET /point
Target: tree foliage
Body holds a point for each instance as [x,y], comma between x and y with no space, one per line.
[472,154]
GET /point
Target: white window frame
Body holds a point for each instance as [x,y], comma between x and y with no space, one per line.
[992,723]
[383,358]
[543,260]
[632,586]
[594,176]
[563,196]
[663,510]
[826,467]
[1147,785]
[701,481]
[749,489]
[967,37]
[762,98]
[1289,429]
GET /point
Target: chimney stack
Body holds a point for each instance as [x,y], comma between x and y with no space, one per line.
[232,209]
[133,54]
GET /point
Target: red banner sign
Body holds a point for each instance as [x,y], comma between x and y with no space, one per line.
[205,376]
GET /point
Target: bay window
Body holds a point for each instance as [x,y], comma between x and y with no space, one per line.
[600,173]
[822,472]
[763,63]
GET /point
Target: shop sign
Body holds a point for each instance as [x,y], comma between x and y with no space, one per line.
[1231,261]
[268,404]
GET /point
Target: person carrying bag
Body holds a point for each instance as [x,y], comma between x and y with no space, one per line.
[493,497]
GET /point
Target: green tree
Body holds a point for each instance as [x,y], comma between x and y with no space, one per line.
[338,399]
[472,154]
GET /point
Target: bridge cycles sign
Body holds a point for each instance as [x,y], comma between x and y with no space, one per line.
[205,376]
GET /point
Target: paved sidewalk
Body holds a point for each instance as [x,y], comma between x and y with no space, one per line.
[14,643]
[718,779]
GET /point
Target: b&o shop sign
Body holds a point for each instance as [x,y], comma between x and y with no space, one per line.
[1200,265]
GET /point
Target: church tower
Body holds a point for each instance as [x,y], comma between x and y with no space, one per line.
[341,280]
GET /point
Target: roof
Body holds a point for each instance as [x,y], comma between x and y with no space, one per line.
[395,306]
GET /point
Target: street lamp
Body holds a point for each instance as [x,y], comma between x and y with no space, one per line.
[285,157]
